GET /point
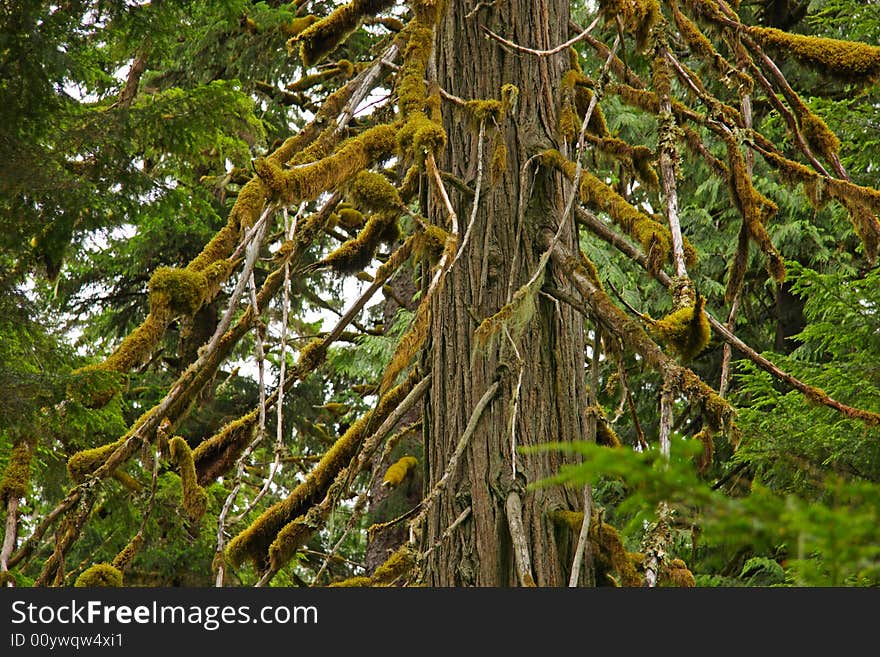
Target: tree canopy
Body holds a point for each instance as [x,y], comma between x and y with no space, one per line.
[439,292]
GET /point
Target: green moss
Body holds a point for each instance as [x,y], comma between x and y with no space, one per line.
[430,243]
[17,475]
[195,498]
[350,218]
[84,463]
[180,290]
[498,160]
[322,37]
[490,111]
[299,24]
[215,456]
[372,191]
[685,331]
[398,564]
[398,471]
[411,79]
[676,574]
[850,60]
[570,519]
[819,135]
[309,180]
[420,135]
[355,254]
[101,574]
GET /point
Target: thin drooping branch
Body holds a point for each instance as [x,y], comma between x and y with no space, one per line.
[521,557]
[477,189]
[544,53]
[603,231]
[452,465]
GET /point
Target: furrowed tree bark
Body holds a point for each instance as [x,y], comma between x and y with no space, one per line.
[552,397]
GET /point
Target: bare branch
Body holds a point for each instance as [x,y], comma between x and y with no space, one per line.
[544,53]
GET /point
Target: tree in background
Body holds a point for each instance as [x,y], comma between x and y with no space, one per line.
[578,217]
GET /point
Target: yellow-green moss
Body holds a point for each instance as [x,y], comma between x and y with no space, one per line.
[94,386]
[350,218]
[215,456]
[685,331]
[490,111]
[7,578]
[704,459]
[322,37]
[309,180]
[101,574]
[819,135]
[410,82]
[421,135]
[127,554]
[430,243]
[398,471]
[638,16]
[851,60]
[570,519]
[299,24]
[373,191]
[353,582]
[610,554]
[498,160]
[84,463]
[181,290]
[398,564]
[355,254]
[195,498]
[17,475]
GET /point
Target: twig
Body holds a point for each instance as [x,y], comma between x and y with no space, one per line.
[451,466]
[477,189]
[544,53]
[513,506]
[447,532]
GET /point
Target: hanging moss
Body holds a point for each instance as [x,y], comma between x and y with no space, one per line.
[610,554]
[101,574]
[343,69]
[17,475]
[638,16]
[704,459]
[409,345]
[324,36]
[254,541]
[701,46]
[685,331]
[299,24]
[398,471]
[635,159]
[84,463]
[755,208]
[122,560]
[420,136]
[851,61]
[818,134]
[215,456]
[498,160]
[195,498]
[605,434]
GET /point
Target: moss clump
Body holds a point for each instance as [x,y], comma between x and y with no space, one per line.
[299,24]
[322,37]
[101,574]
[685,331]
[350,218]
[355,254]
[421,135]
[498,161]
[851,61]
[17,475]
[430,243]
[819,135]
[195,498]
[610,556]
[84,463]
[216,455]
[180,290]
[398,471]
[635,159]
[490,111]
[372,191]
[7,578]
[677,574]
[704,459]
[398,564]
